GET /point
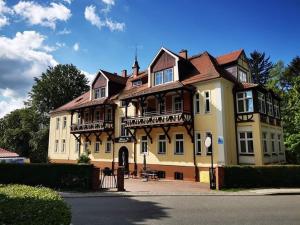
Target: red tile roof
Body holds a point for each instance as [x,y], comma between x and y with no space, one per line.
[230,57]
[7,154]
[115,77]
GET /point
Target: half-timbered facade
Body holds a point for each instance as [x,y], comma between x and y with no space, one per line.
[162,115]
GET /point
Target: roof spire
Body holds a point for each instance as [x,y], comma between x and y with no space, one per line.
[135,65]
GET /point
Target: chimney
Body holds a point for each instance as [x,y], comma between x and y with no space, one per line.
[124,73]
[183,53]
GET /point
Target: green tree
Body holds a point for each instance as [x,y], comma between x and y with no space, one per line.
[57,86]
[276,78]
[260,66]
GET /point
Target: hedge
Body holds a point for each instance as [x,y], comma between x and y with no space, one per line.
[58,176]
[24,205]
[261,176]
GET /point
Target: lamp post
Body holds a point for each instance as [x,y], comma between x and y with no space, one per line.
[212,177]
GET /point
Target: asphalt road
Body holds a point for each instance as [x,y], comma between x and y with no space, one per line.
[181,210]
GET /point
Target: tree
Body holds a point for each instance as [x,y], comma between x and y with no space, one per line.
[276,75]
[57,86]
[260,67]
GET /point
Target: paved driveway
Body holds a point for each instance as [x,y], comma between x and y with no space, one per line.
[186,210]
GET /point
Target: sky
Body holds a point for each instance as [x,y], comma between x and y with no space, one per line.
[103,34]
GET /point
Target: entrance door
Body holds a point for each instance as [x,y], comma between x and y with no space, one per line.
[123,158]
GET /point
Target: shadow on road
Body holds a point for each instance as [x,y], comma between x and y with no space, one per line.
[114,210]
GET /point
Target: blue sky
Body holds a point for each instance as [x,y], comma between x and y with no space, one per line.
[94,34]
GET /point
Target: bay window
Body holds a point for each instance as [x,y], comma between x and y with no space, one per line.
[261,102]
[242,76]
[244,102]
[269,104]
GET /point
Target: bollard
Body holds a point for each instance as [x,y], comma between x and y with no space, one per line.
[120,179]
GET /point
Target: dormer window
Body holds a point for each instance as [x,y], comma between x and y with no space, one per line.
[242,76]
[163,76]
[99,93]
[136,83]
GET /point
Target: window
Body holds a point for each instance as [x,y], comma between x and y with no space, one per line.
[276,109]
[144,144]
[246,142]
[269,105]
[97,116]
[177,104]
[86,117]
[162,106]
[279,142]
[198,143]
[163,76]
[78,119]
[242,76]
[97,147]
[179,144]
[178,176]
[273,143]
[197,103]
[261,102]
[63,146]
[209,150]
[265,142]
[108,114]
[56,146]
[207,101]
[99,92]
[124,131]
[244,101]
[57,123]
[86,147]
[77,147]
[65,122]
[162,144]
[136,83]
[108,146]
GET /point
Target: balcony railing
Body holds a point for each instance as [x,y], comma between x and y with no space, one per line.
[95,126]
[154,119]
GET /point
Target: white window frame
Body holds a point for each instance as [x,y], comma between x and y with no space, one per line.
[181,140]
[270,110]
[108,146]
[198,143]
[98,92]
[244,76]
[261,102]
[174,104]
[246,139]
[159,142]
[197,108]
[207,102]
[97,143]
[57,123]
[163,74]
[142,151]
[265,142]
[63,145]
[244,99]
[272,140]
[56,146]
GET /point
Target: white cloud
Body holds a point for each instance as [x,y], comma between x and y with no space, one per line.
[76,47]
[109,2]
[4,11]
[36,14]
[64,31]
[91,16]
[108,5]
[89,76]
[68,1]
[22,58]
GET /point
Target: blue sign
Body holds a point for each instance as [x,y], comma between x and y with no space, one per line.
[220,140]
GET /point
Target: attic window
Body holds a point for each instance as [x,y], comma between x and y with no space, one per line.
[136,83]
[163,76]
[99,93]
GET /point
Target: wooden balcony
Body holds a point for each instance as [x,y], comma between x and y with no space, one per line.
[154,119]
[94,126]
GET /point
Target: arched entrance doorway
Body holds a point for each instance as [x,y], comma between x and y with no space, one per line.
[123,158]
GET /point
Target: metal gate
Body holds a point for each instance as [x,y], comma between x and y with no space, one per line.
[108,179]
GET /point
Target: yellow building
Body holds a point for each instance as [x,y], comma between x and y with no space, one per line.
[161,117]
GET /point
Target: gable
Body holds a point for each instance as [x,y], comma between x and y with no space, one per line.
[100,81]
[163,61]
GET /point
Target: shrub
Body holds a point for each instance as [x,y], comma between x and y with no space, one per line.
[23,205]
[84,158]
[58,176]
[261,176]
